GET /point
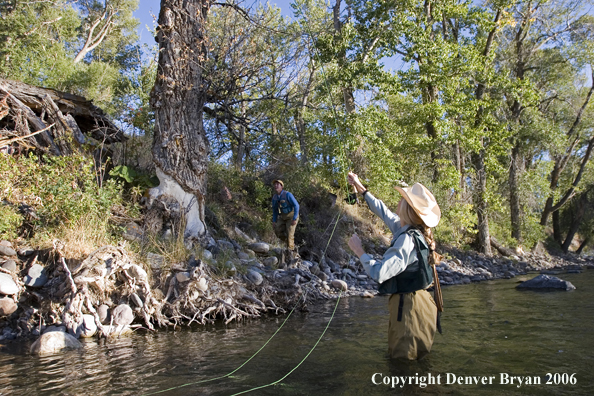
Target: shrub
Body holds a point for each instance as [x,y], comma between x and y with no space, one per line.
[10,221]
[65,195]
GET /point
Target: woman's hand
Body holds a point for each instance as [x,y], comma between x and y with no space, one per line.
[356,246]
[353,180]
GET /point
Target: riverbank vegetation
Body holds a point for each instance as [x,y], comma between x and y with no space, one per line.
[489,105]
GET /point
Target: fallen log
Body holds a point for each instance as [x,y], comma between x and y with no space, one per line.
[502,249]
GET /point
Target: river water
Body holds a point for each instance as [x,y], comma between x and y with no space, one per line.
[490,330]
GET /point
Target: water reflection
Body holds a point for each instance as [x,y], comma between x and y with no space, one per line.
[489,329]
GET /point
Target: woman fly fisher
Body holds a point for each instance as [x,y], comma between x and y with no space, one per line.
[405,270]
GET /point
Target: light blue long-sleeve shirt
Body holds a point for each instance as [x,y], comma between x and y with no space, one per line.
[402,254]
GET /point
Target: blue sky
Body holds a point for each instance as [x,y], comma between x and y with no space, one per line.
[148,12]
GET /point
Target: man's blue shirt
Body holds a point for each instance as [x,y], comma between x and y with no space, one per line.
[285,202]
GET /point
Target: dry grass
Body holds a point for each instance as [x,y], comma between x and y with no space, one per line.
[80,238]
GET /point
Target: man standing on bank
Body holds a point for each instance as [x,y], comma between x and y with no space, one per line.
[285,214]
[405,270]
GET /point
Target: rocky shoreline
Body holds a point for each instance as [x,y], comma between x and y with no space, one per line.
[109,294]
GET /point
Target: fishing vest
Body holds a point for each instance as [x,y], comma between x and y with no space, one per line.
[411,281]
[283,203]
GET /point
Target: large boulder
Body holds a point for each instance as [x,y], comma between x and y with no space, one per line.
[7,285]
[53,342]
[546,282]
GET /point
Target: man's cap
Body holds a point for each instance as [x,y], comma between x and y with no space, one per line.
[279,182]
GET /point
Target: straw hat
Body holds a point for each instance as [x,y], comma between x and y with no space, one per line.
[423,203]
[279,182]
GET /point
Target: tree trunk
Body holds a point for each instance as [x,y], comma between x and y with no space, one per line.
[460,166]
[557,228]
[514,197]
[578,216]
[301,128]
[480,203]
[478,160]
[561,161]
[582,245]
[240,140]
[180,147]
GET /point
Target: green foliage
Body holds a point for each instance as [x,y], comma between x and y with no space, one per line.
[62,190]
[457,226]
[10,221]
[39,42]
[133,177]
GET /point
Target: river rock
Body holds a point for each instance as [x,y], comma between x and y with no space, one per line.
[259,247]
[182,277]
[122,315]
[546,282]
[133,232]
[230,266]
[26,251]
[136,300]
[137,272]
[340,285]
[7,251]
[36,277]
[270,261]
[116,331]
[243,235]
[207,255]
[250,253]
[225,245]
[202,284]
[254,276]
[7,285]
[333,266]
[49,329]
[54,341]
[6,243]
[88,327]
[322,276]
[7,306]
[243,256]
[103,312]
[155,261]
[10,265]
